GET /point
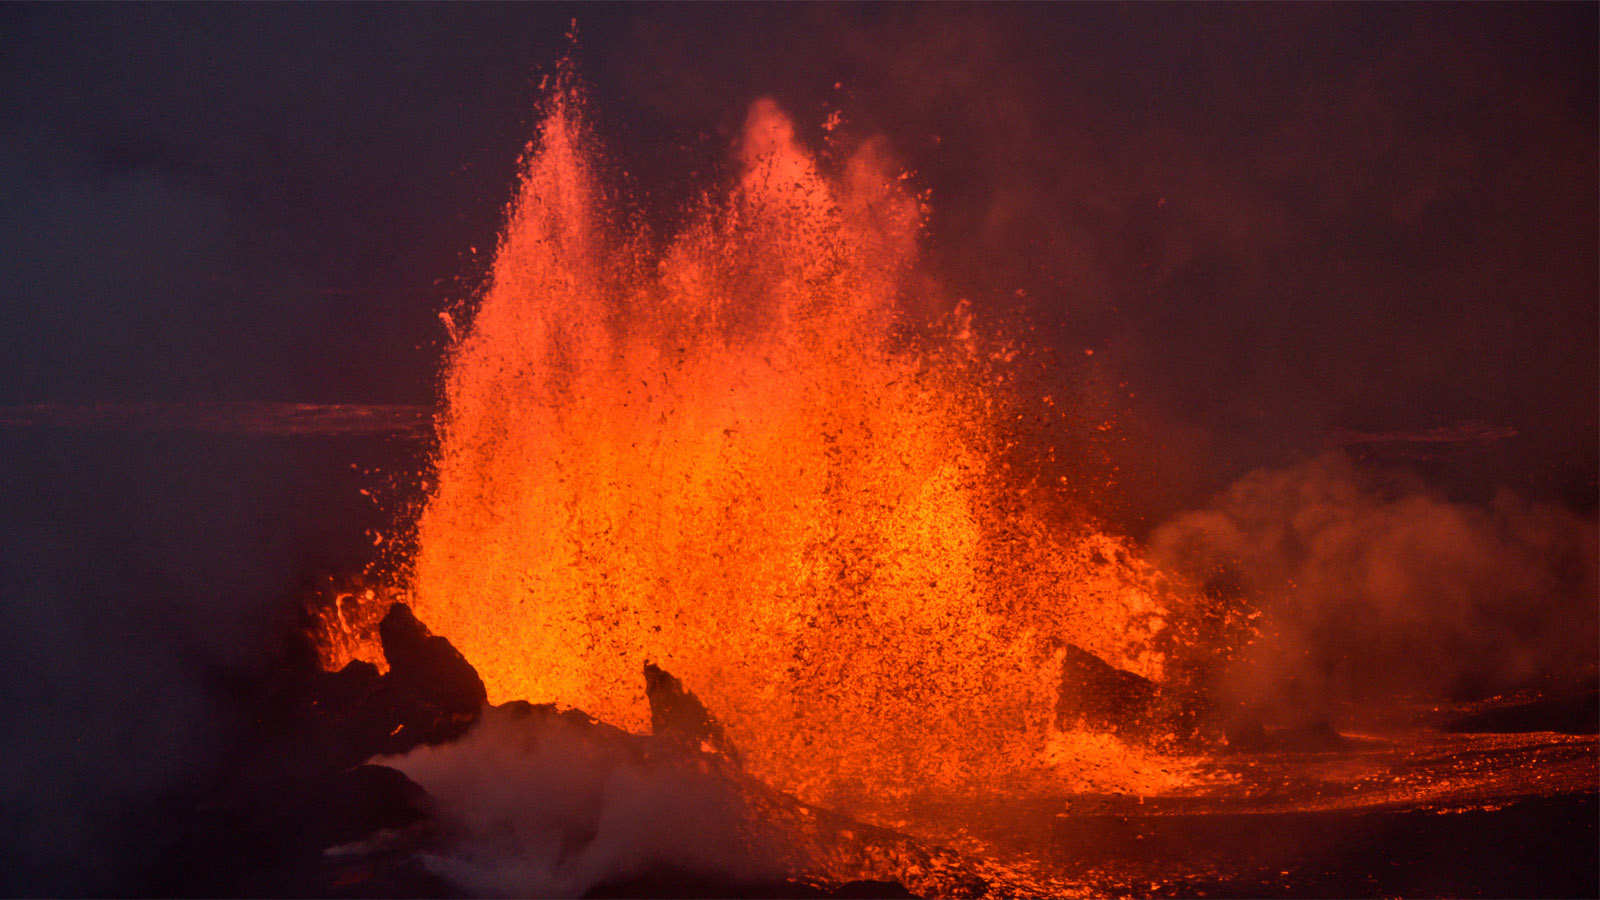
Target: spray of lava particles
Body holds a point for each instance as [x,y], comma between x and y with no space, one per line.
[737,456]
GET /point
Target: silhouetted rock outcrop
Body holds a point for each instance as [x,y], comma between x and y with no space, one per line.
[304,812]
[1101,697]
[678,716]
[430,693]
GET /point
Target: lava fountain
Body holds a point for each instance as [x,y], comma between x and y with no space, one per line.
[739,454]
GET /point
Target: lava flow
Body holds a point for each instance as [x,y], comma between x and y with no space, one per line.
[741,458]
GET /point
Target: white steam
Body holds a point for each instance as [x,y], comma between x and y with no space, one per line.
[540,806]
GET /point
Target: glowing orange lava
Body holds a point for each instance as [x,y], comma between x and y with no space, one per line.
[740,459]
[344,619]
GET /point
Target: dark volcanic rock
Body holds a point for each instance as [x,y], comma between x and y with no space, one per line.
[1102,697]
[271,837]
[427,665]
[678,716]
[357,802]
[311,721]
[318,721]
[430,693]
[301,786]
[301,812]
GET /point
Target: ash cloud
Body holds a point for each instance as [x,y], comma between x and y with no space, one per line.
[1371,586]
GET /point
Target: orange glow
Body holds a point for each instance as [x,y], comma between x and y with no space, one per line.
[344,622]
[739,458]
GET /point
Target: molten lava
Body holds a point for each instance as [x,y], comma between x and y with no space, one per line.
[743,459]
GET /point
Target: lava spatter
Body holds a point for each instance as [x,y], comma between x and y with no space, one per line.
[740,458]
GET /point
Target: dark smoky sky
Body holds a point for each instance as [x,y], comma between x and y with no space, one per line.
[1268,222]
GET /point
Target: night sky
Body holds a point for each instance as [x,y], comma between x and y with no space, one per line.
[1273,225]
[1270,222]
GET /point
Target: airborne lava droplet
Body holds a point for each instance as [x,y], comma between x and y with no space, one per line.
[803,517]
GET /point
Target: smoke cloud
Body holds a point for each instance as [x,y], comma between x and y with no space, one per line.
[1371,586]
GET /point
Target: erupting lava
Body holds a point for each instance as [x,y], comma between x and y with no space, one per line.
[741,458]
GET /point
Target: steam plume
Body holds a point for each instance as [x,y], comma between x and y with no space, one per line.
[1371,586]
[549,811]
